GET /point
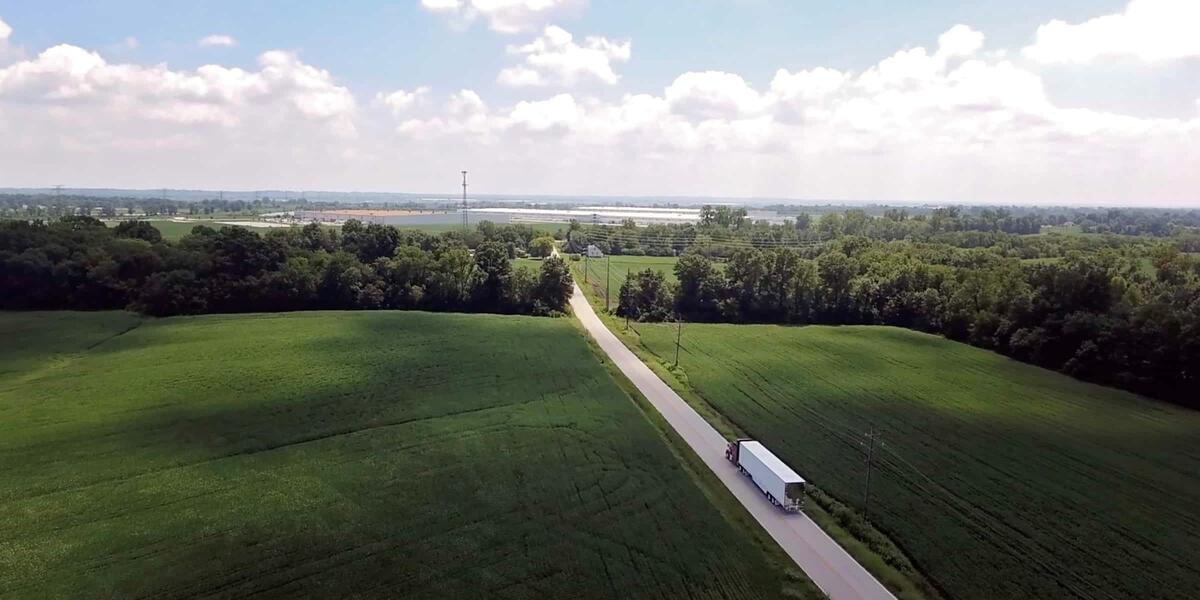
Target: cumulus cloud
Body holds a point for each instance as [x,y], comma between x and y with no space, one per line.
[504,16]
[6,51]
[217,39]
[402,101]
[92,88]
[950,121]
[555,59]
[713,95]
[1148,30]
[912,111]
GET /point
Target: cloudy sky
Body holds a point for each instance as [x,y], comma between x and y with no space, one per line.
[1015,101]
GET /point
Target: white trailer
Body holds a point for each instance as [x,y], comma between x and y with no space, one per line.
[778,482]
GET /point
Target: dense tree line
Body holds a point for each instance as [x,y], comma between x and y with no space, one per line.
[1108,317]
[79,263]
[721,230]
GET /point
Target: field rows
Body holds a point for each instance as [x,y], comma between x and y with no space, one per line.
[999,479]
[365,454]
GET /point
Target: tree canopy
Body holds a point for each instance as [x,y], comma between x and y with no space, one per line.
[79,263]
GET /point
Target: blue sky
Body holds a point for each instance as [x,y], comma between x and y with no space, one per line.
[382,45]
[381,83]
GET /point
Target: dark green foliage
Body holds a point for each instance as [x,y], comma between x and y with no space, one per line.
[79,263]
[541,247]
[141,230]
[554,286]
[645,296]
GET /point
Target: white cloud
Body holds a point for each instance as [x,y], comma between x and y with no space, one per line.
[130,43]
[555,59]
[283,87]
[7,52]
[402,101]
[504,16]
[958,122]
[959,41]
[559,112]
[217,39]
[713,95]
[1148,30]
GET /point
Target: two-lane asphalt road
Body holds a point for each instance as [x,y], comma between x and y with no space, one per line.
[825,562]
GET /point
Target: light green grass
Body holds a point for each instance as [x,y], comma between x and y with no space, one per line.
[1062,229]
[541,228]
[344,454]
[175,230]
[1000,479]
[605,275]
[870,547]
[533,264]
[170,230]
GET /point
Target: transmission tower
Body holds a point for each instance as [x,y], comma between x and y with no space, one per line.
[466,225]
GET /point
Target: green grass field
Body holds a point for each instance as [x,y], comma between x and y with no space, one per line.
[377,454]
[174,230]
[170,230]
[1000,479]
[541,228]
[598,270]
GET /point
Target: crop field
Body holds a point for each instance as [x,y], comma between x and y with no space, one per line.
[598,270]
[175,230]
[1000,479]
[378,454]
[437,228]
[170,230]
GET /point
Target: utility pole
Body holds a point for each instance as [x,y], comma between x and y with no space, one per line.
[678,337]
[871,436]
[464,204]
[607,281]
[586,269]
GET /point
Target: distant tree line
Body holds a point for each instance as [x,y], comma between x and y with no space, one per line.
[723,230]
[79,263]
[53,206]
[1108,317]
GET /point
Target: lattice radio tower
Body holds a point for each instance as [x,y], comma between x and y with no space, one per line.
[466,225]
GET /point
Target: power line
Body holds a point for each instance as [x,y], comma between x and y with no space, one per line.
[678,337]
[872,437]
[607,282]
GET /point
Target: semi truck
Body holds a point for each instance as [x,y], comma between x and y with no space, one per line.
[778,482]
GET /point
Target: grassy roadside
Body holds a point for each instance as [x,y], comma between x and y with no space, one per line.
[869,546]
[793,583]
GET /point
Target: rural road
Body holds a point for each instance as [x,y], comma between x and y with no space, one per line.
[822,559]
